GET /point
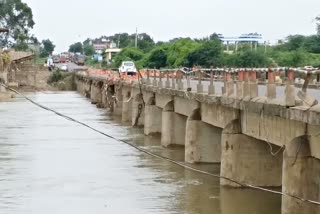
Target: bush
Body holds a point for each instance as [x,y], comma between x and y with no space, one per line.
[55,77]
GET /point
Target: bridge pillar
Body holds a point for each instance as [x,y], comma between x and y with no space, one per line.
[290,90]
[246,86]
[126,108]
[104,97]
[203,141]
[138,111]
[118,102]
[253,84]
[248,160]
[96,93]
[4,78]
[239,84]
[152,118]
[300,177]
[271,86]
[173,127]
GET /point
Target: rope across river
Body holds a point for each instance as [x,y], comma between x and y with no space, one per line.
[177,163]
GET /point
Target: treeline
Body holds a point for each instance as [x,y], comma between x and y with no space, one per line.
[295,50]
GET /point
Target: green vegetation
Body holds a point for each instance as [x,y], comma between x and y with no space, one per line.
[76,48]
[18,18]
[47,49]
[295,50]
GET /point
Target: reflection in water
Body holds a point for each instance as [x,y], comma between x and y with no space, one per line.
[51,165]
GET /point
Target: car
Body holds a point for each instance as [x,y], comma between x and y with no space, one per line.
[128,67]
[64,67]
[63,60]
[56,60]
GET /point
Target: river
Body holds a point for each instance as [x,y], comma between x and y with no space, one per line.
[49,165]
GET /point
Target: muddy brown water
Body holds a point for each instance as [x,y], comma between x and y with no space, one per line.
[49,165]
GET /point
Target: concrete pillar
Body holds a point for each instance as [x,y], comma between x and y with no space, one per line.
[104,97]
[118,102]
[203,141]
[211,88]
[239,84]
[229,86]
[138,111]
[246,86]
[4,78]
[253,84]
[127,110]
[290,90]
[271,86]
[95,93]
[154,82]
[248,160]
[173,127]
[152,118]
[199,85]
[300,178]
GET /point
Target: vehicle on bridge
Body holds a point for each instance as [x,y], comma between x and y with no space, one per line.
[128,67]
[79,59]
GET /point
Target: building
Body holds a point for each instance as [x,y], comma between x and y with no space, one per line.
[251,38]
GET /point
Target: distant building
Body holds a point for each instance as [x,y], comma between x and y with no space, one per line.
[251,38]
[102,44]
[110,52]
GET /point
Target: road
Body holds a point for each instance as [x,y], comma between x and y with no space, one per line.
[71,66]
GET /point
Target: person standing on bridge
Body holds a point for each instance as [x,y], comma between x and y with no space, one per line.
[50,63]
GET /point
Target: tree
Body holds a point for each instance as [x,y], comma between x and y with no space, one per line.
[88,50]
[157,58]
[179,51]
[76,48]
[130,54]
[18,18]
[145,42]
[247,58]
[48,46]
[208,54]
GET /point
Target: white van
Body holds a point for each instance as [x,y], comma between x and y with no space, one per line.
[128,67]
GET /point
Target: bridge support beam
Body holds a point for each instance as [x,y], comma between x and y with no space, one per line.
[173,127]
[203,141]
[300,177]
[152,118]
[118,103]
[137,111]
[248,160]
[96,93]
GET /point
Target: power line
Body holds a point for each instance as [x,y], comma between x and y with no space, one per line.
[183,165]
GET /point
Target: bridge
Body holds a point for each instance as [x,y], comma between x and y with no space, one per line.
[265,141]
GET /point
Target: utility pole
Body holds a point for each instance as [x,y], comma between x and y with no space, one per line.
[119,41]
[136,40]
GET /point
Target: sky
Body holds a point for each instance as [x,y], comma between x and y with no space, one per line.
[68,21]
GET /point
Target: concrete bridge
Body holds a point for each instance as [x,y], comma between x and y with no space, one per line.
[259,140]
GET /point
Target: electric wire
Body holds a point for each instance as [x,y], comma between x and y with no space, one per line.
[180,164]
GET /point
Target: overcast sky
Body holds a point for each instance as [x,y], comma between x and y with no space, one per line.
[69,21]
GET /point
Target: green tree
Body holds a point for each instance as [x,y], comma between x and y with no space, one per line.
[48,46]
[145,42]
[157,58]
[130,54]
[76,48]
[88,50]
[247,58]
[18,18]
[179,51]
[208,54]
